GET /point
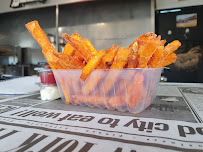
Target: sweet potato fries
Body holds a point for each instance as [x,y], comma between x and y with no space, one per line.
[147,51]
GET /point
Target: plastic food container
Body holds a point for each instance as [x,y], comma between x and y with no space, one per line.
[125,90]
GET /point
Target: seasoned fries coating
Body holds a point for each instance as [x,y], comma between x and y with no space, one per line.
[109,57]
[121,58]
[90,46]
[82,49]
[119,62]
[170,59]
[92,64]
[146,52]
[133,60]
[68,49]
[39,35]
[69,62]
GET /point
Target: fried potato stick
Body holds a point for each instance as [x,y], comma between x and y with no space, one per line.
[68,62]
[121,58]
[146,52]
[90,46]
[39,35]
[109,57]
[119,62]
[55,65]
[143,39]
[133,60]
[100,100]
[78,56]
[92,64]
[154,62]
[68,49]
[169,49]
[169,59]
[79,46]
[52,60]
[91,84]
[119,101]
[41,38]
[72,49]
[134,90]
[109,49]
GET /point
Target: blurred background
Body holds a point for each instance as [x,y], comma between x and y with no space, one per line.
[103,22]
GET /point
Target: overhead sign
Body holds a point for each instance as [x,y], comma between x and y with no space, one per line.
[20,3]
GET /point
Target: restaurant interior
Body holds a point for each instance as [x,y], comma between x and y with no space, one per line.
[104,23]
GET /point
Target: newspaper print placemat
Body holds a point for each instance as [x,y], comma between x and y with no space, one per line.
[35,129]
[194,97]
[29,124]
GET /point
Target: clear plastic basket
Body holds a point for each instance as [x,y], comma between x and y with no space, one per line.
[125,90]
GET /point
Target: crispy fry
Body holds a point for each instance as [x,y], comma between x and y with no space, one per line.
[157,56]
[68,49]
[169,49]
[100,100]
[133,60]
[41,38]
[55,65]
[134,92]
[121,58]
[136,45]
[119,101]
[68,61]
[154,62]
[146,52]
[147,36]
[92,64]
[39,35]
[108,58]
[162,42]
[50,55]
[101,66]
[116,102]
[169,59]
[119,62]
[72,49]
[79,46]
[109,49]
[78,56]
[91,84]
[51,58]
[90,46]
[76,36]
[143,39]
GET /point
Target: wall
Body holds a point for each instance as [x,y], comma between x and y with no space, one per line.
[103,22]
[14,33]
[168,4]
[5,5]
[107,23]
